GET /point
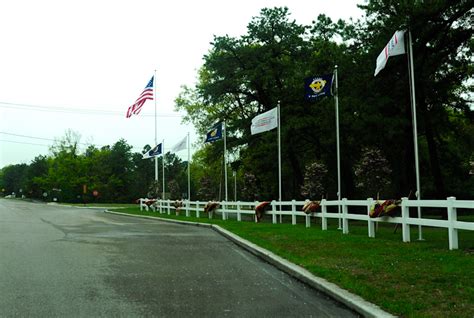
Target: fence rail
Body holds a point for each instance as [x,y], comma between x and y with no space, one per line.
[339,210]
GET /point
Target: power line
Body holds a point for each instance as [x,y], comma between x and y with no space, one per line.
[24,143]
[48,139]
[24,136]
[83,111]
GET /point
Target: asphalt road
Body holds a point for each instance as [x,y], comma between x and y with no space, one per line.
[69,262]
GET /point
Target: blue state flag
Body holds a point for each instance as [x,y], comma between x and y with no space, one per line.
[155,151]
[318,86]
[215,133]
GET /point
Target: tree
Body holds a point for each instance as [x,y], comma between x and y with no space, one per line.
[206,173]
[121,169]
[250,190]
[315,181]
[174,189]
[69,143]
[14,178]
[36,170]
[142,175]
[442,44]
[373,173]
[205,189]
[176,175]
[242,77]
[154,190]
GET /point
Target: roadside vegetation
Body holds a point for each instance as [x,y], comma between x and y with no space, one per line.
[417,279]
[245,75]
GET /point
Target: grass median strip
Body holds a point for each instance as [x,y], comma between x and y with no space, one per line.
[421,278]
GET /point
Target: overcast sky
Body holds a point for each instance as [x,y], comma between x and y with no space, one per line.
[79,65]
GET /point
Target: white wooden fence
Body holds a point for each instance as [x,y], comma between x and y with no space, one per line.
[336,210]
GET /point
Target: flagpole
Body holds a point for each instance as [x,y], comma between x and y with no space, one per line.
[279,154]
[336,99]
[156,134]
[189,172]
[163,164]
[225,160]
[415,132]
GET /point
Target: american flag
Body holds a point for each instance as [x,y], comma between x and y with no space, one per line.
[147,94]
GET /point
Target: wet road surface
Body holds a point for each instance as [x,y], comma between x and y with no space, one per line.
[60,261]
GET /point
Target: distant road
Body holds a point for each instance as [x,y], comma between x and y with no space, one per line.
[68,262]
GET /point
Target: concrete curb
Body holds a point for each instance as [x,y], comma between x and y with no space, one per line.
[356,303]
[84,207]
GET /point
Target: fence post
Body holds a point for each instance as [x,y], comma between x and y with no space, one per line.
[224,216]
[324,210]
[256,203]
[239,217]
[168,205]
[141,202]
[281,215]
[405,225]
[188,206]
[345,220]
[452,231]
[293,211]
[274,216]
[307,216]
[197,209]
[371,224]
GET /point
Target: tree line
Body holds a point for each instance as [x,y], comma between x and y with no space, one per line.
[247,75]
[112,173]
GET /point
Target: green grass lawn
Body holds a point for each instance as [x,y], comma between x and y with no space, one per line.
[417,279]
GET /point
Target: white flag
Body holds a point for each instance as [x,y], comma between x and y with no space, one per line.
[395,46]
[264,122]
[180,145]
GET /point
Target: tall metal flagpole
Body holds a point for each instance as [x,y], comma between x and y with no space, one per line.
[163,164]
[279,157]
[337,143]
[279,154]
[225,160]
[189,172]
[156,134]
[415,132]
